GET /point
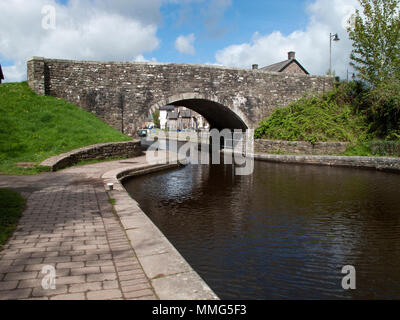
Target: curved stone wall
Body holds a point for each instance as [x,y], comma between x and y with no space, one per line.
[101,151]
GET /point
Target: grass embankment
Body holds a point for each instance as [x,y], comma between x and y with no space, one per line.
[331,117]
[11,208]
[33,128]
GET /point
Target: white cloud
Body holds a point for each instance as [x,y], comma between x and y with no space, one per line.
[311,45]
[147,12]
[185,44]
[85,30]
[214,13]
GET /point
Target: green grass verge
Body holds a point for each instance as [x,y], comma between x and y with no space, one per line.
[11,208]
[34,128]
[313,119]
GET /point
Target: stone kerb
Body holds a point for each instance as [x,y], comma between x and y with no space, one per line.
[170,274]
[377,163]
[101,151]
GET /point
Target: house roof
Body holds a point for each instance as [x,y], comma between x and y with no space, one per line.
[1,74]
[281,66]
[186,114]
[172,115]
[167,108]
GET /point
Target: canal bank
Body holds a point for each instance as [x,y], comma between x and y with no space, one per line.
[171,276]
[389,164]
[108,251]
[71,225]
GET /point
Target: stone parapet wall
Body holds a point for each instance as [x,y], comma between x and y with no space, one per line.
[299,147]
[129,149]
[37,75]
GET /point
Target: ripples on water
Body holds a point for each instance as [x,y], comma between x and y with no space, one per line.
[284,232]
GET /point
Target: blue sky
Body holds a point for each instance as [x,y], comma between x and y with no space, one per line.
[233,33]
[237,24]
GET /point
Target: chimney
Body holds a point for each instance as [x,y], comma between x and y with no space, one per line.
[255,66]
[292,55]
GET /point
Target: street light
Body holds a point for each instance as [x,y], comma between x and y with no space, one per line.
[334,37]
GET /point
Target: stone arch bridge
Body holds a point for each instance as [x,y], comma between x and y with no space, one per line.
[123,94]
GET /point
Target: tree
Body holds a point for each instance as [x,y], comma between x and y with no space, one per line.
[156,118]
[376,41]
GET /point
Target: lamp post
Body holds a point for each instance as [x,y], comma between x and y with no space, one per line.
[334,37]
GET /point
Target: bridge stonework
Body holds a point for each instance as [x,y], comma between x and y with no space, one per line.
[124,94]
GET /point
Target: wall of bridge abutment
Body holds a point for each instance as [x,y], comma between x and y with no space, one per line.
[124,93]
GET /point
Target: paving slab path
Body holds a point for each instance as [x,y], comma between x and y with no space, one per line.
[70,225]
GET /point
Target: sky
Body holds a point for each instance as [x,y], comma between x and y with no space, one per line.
[233,33]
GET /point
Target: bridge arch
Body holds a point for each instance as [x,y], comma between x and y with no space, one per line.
[219,115]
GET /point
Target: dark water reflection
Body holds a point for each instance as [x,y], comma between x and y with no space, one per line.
[284,232]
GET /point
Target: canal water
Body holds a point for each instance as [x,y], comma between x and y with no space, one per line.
[284,232]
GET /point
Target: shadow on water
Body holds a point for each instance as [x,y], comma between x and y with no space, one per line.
[283,233]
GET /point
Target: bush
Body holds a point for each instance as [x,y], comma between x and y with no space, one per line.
[330,117]
[385,148]
[384,110]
